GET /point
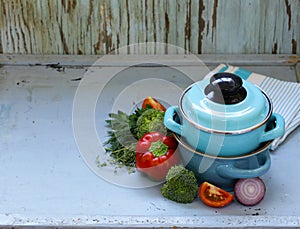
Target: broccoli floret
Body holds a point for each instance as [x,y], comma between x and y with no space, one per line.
[150,121]
[181,185]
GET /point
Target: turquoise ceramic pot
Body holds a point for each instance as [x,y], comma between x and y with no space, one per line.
[224,116]
[225,171]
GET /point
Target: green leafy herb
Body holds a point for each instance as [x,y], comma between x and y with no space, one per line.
[123,137]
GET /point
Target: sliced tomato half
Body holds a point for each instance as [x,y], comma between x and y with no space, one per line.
[214,196]
[154,103]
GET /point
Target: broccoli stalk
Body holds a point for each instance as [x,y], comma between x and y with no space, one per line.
[152,120]
[181,185]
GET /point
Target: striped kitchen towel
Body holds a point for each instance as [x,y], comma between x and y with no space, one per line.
[285,96]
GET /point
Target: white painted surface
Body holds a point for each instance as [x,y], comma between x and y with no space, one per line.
[44,180]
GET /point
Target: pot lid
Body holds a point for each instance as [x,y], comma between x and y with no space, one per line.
[225,103]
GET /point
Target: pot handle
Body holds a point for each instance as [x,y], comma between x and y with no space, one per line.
[230,171]
[275,132]
[169,121]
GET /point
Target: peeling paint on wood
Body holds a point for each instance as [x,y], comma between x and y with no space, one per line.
[214,16]
[104,26]
[274,50]
[288,12]
[1,49]
[201,24]
[294,46]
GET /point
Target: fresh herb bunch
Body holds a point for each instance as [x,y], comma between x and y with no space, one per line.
[123,136]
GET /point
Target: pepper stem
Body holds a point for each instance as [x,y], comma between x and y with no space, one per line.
[158,148]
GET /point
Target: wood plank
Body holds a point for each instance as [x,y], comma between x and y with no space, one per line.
[46,183]
[276,66]
[123,60]
[101,27]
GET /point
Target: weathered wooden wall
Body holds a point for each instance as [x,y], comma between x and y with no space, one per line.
[99,27]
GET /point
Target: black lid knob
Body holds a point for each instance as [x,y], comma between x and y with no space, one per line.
[225,88]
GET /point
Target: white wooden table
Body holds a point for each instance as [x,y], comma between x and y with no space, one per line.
[46,182]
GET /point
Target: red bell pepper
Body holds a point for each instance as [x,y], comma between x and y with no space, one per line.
[156,154]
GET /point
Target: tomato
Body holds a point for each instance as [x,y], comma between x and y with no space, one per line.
[214,196]
[154,103]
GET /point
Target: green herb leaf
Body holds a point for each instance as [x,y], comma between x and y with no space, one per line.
[122,135]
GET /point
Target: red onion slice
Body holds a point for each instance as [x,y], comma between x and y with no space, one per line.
[250,191]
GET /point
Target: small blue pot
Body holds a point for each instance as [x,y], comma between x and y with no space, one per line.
[225,171]
[224,116]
